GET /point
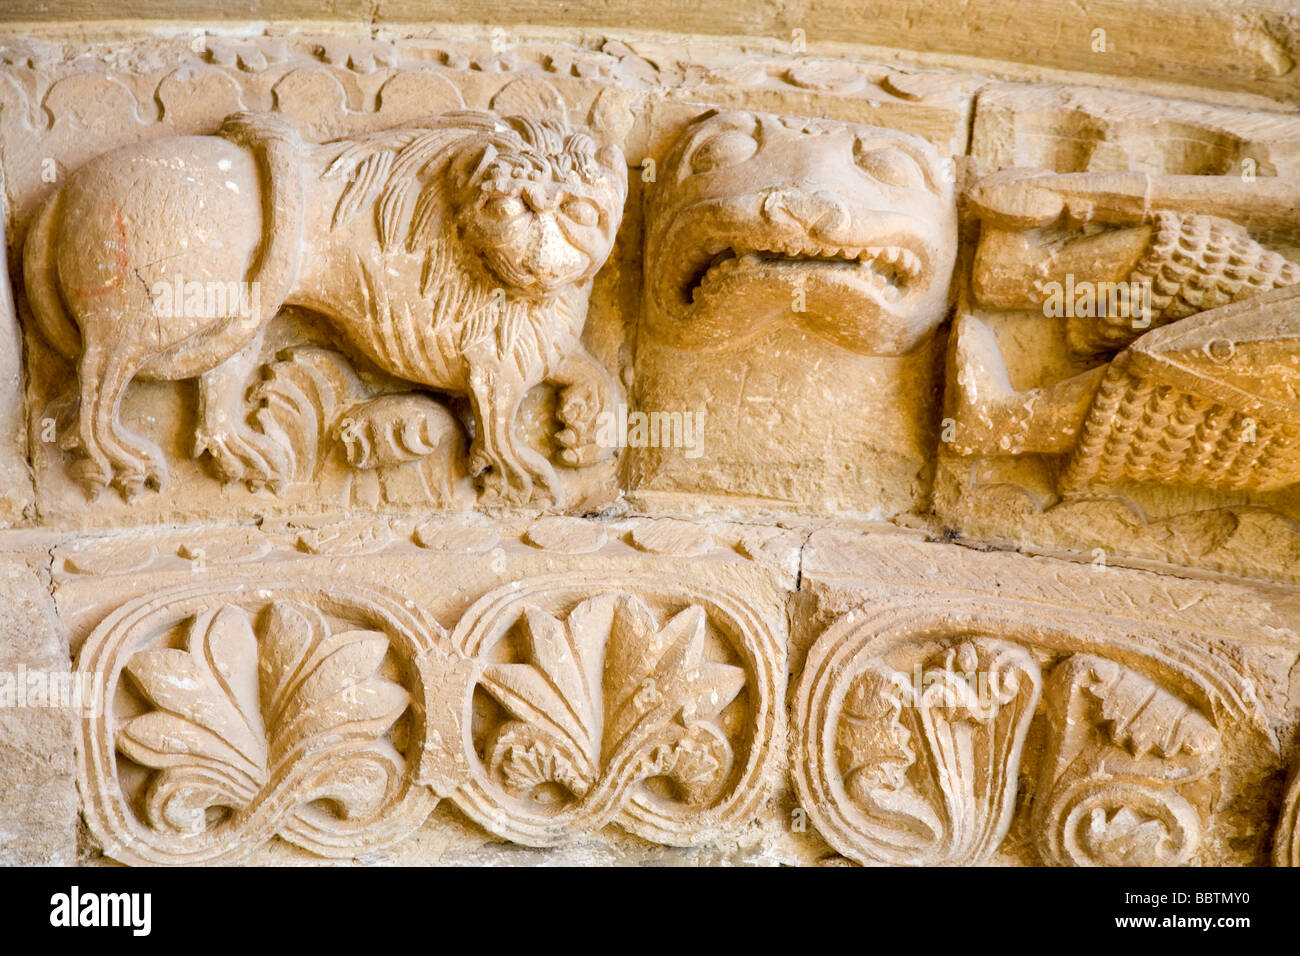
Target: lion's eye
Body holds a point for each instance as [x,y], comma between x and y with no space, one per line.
[890,165]
[725,149]
[504,207]
[581,211]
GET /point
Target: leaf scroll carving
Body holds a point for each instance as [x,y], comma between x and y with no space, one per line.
[1121,748]
[929,760]
[232,715]
[608,687]
[636,703]
[290,715]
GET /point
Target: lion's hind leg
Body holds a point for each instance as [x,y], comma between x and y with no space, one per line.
[107,453]
[239,451]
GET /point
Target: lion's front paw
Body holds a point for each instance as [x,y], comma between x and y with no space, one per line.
[516,483]
[243,454]
[584,410]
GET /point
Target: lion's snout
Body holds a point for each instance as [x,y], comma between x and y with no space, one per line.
[542,259]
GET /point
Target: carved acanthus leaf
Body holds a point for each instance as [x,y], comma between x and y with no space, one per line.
[1121,746]
[232,714]
[609,687]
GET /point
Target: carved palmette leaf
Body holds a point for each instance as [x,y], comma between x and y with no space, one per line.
[240,711]
[608,687]
[1121,745]
[316,684]
[206,735]
[555,696]
[622,700]
[233,715]
[659,688]
[611,698]
[932,759]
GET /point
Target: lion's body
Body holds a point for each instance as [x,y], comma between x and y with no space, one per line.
[428,338]
[206,195]
[256,206]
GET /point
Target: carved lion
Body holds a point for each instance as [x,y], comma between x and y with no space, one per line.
[456,254]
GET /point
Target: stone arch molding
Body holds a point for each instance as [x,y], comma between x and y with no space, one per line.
[910,732]
[336,717]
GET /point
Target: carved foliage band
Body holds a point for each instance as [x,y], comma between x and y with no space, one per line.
[639,703]
[236,714]
[909,744]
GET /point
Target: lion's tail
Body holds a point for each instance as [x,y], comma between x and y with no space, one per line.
[41,281]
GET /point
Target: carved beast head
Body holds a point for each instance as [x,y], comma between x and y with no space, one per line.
[534,204]
[540,204]
[847,231]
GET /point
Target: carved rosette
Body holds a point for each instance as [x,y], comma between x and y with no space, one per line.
[236,713]
[909,753]
[637,702]
[1119,749]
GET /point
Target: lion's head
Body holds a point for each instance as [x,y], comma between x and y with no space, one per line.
[845,230]
[535,204]
[540,204]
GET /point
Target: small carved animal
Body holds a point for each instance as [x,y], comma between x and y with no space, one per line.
[456,254]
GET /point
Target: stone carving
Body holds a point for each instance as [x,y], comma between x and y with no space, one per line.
[290,714]
[652,707]
[311,402]
[1204,398]
[455,254]
[914,767]
[1135,754]
[845,230]
[393,246]
[1286,840]
[1120,747]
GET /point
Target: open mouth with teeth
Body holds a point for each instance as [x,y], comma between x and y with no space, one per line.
[889,273]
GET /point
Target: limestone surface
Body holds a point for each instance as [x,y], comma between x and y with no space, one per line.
[769,437]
